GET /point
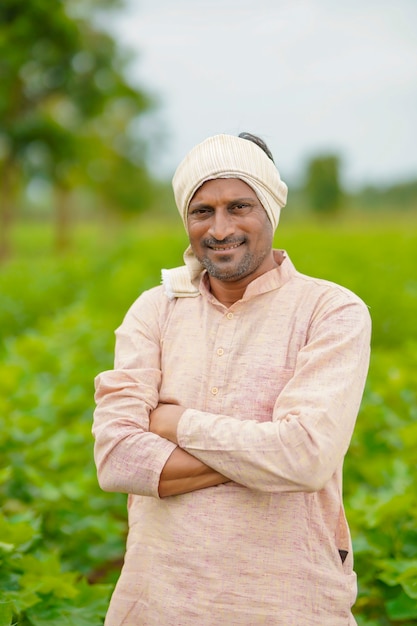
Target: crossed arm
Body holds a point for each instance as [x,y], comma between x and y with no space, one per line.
[182,449]
[182,472]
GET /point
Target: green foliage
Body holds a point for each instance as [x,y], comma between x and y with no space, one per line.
[323,186]
[63,79]
[403,195]
[58,530]
[67,111]
[34,588]
[381,496]
[61,538]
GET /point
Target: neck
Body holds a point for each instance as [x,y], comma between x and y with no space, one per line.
[226,293]
[229,292]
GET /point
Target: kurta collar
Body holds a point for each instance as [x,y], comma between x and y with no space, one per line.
[183,282]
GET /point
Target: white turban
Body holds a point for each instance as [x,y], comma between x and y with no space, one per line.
[221,156]
[226,156]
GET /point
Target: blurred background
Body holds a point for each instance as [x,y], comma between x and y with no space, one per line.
[310,76]
[99,101]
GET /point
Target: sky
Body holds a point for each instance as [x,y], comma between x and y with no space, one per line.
[309,76]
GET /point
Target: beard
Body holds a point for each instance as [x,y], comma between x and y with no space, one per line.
[226,270]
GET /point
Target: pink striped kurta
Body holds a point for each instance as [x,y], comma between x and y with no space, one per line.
[273,385]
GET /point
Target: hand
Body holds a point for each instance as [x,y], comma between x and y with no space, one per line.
[163,421]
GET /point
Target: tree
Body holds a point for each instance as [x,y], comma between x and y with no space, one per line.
[323,186]
[64,92]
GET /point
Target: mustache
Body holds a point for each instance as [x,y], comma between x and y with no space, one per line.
[228,241]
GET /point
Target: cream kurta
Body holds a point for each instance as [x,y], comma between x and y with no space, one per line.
[274,384]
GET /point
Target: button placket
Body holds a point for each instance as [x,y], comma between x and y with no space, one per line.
[222,345]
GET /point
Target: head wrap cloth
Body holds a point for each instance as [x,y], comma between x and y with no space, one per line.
[221,156]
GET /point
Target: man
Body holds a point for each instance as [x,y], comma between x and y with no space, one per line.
[235,391]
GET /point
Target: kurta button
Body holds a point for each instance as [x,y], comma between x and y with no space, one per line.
[220,351]
[229,316]
[214,390]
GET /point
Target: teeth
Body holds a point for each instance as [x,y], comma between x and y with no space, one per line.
[228,248]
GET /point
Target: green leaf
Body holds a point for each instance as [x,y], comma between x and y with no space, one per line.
[410,586]
[395,570]
[402,607]
[5,474]
[20,533]
[88,609]
[6,613]
[6,547]
[22,599]
[45,576]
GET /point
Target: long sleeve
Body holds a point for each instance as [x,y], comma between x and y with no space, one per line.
[304,442]
[129,458]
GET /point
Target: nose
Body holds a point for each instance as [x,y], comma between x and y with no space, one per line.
[221,225]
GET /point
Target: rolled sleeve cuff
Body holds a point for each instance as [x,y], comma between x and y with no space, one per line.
[188,430]
[163,455]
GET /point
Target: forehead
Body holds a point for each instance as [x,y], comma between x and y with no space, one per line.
[227,188]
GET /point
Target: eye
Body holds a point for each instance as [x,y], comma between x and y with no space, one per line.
[241,207]
[199,212]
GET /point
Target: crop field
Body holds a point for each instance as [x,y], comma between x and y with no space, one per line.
[61,538]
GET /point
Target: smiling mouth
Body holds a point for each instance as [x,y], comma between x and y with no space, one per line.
[226,248]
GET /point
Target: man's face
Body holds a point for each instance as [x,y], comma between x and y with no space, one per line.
[229,230]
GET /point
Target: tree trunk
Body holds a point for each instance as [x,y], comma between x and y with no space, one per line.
[62,220]
[6,213]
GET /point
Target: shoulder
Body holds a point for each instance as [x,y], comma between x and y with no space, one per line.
[327,297]
[150,303]
[321,285]
[312,288]
[154,307]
